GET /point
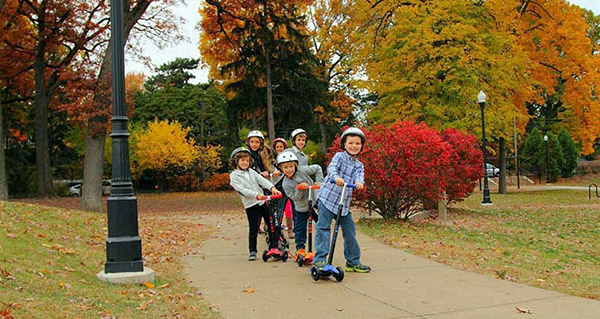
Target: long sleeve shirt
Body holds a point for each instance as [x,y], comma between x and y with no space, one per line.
[300,196]
[351,170]
[302,159]
[249,184]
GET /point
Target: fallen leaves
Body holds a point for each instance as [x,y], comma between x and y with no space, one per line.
[150,285]
[521,310]
[249,290]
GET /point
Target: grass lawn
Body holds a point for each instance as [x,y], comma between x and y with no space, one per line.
[49,258]
[547,239]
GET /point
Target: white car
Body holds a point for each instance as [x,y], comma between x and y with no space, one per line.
[75,190]
[491,170]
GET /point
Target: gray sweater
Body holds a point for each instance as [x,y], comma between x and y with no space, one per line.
[249,184]
[302,159]
[300,196]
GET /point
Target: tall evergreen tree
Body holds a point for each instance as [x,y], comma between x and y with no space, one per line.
[570,153]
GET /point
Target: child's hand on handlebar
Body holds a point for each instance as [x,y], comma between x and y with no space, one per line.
[317,184]
[359,186]
[276,173]
[339,181]
[261,196]
[265,174]
[304,185]
[275,191]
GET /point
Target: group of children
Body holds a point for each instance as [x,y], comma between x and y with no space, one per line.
[260,170]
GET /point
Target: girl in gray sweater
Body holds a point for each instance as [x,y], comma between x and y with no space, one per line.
[249,184]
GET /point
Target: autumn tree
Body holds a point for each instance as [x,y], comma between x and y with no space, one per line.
[146,17]
[257,47]
[58,34]
[557,42]
[165,147]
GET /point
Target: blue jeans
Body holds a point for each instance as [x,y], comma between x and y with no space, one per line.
[351,247]
[300,225]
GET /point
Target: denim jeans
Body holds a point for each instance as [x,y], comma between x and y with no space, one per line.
[351,247]
[300,222]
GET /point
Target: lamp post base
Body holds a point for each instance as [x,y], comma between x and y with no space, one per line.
[124,278]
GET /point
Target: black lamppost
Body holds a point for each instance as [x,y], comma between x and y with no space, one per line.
[123,246]
[547,170]
[486,188]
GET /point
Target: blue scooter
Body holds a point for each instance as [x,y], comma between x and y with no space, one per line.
[328,269]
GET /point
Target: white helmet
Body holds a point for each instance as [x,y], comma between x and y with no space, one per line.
[285,157]
[296,132]
[256,133]
[352,131]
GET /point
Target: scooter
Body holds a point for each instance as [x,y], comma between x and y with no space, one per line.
[328,269]
[309,256]
[278,249]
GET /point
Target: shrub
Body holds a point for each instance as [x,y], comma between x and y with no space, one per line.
[406,166]
[184,183]
[216,182]
[466,164]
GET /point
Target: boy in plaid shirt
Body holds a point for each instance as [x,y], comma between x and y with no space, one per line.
[344,168]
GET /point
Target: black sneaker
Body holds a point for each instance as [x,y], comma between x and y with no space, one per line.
[252,256]
[357,268]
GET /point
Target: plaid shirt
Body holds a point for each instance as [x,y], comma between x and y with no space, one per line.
[351,170]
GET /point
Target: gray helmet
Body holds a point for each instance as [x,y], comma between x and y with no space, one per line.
[239,150]
[285,157]
[353,131]
[296,132]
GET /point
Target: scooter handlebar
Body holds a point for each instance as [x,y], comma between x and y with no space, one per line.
[307,187]
[274,196]
[349,185]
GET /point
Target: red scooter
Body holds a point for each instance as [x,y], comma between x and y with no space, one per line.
[278,246]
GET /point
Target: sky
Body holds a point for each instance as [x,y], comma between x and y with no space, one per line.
[189,47]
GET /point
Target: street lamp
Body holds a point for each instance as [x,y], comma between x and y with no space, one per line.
[486,188]
[547,170]
[124,262]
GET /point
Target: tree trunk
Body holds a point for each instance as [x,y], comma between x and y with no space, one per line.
[91,198]
[3,177]
[324,144]
[270,118]
[42,100]
[502,176]
[93,162]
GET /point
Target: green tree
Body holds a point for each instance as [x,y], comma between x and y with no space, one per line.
[534,155]
[570,153]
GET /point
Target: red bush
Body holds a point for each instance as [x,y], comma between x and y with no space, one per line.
[183,183]
[408,165]
[466,164]
[216,182]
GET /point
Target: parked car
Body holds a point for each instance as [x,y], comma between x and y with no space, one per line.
[75,190]
[491,170]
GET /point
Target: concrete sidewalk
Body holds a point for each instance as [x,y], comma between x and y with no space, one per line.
[400,286]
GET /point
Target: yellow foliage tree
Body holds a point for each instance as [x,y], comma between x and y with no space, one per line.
[163,147]
[209,159]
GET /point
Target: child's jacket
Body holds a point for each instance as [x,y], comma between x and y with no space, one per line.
[248,184]
[351,170]
[300,196]
[302,159]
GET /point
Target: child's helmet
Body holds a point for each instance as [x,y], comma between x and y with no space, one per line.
[279,139]
[352,131]
[285,157]
[256,133]
[241,149]
[295,133]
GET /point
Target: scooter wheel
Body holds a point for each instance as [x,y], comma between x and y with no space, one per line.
[264,256]
[315,273]
[339,276]
[284,256]
[300,261]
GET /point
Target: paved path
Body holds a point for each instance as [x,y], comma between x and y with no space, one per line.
[400,286]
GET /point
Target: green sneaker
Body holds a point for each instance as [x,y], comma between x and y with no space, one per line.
[360,268]
[320,264]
